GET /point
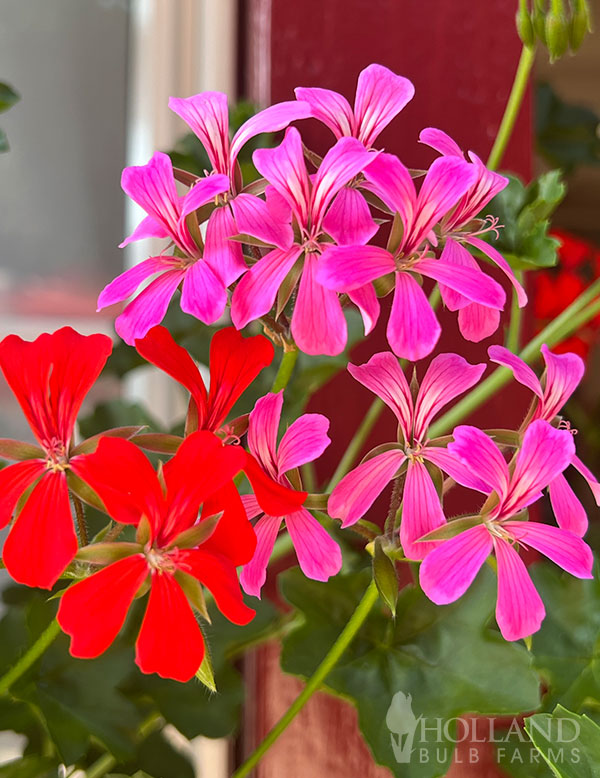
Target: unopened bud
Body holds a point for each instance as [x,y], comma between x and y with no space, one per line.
[581,24]
[557,32]
[538,20]
[525,25]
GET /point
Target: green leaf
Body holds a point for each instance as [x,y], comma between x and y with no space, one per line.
[157,757]
[30,767]
[570,744]
[443,661]
[384,573]
[8,97]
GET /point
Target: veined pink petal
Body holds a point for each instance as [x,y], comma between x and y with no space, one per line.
[472,283]
[367,303]
[349,220]
[284,167]
[339,166]
[251,505]
[124,285]
[453,466]
[278,206]
[520,610]
[570,513]
[263,426]
[380,96]
[421,511]
[482,456]
[254,217]
[255,294]
[207,116]
[358,490]
[449,570]
[328,107]
[456,254]
[564,548]
[545,452]
[319,556]
[254,574]
[390,180]
[203,191]
[413,329]
[272,119]
[224,256]
[591,479]
[203,294]
[318,322]
[439,141]
[447,376]
[477,322]
[521,370]
[152,186]
[486,186]
[149,307]
[496,256]
[345,268]
[383,375]
[147,228]
[304,441]
[563,374]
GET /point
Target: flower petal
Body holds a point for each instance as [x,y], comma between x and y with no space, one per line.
[328,107]
[520,610]
[202,192]
[263,427]
[304,441]
[147,228]
[570,513]
[274,498]
[254,574]
[564,548]
[455,254]
[498,259]
[482,457]
[470,282]
[413,329]
[124,285]
[344,268]
[207,116]
[477,322]
[591,479]
[439,141]
[380,96]
[14,480]
[358,490]
[390,180]
[421,511]
[203,294]
[149,307]
[224,256]
[563,375]
[367,303]
[254,217]
[319,556]
[152,186]
[349,220]
[521,370]
[234,536]
[453,466]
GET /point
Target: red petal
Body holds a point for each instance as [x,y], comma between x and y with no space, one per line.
[235,362]
[93,611]
[170,641]
[234,536]
[273,498]
[42,541]
[159,348]
[14,479]
[219,575]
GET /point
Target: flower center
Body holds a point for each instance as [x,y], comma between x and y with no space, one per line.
[57,459]
[161,561]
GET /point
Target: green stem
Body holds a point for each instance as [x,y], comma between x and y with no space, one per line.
[341,644]
[107,761]
[512,107]
[513,335]
[30,656]
[286,368]
[357,442]
[570,320]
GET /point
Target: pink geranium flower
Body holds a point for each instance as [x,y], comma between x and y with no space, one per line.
[380,96]
[294,201]
[448,376]
[318,554]
[413,329]
[458,227]
[562,377]
[448,570]
[204,286]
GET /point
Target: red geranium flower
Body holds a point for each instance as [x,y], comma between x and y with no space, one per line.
[174,552]
[235,362]
[50,378]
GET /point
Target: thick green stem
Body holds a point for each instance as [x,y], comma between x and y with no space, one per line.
[286,368]
[357,442]
[512,107]
[30,657]
[513,334]
[341,644]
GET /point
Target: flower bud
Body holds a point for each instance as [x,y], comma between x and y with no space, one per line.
[538,19]
[525,24]
[557,31]
[581,23]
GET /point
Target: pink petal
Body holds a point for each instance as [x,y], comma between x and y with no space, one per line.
[328,107]
[520,610]
[447,376]
[272,119]
[544,453]
[284,167]
[439,141]
[497,257]
[564,548]
[319,556]
[452,465]
[367,303]
[147,228]
[349,219]
[390,180]
[255,294]
[152,186]
[477,322]
[203,294]
[486,186]
[413,329]
[126,284]
[149,307]
[380,96]
[570,513]
[482,456]
[207,116]
[318,322]
[521,371]
[345,268]
[254,217]
[358,490]
[563,375]
[263,426]
[203,191]
[449,570]
[224,256]
[591,479]
[304,441]
[251,505]
[456,254]
[384,377]
[421,511]
[254,574]
[470,282]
